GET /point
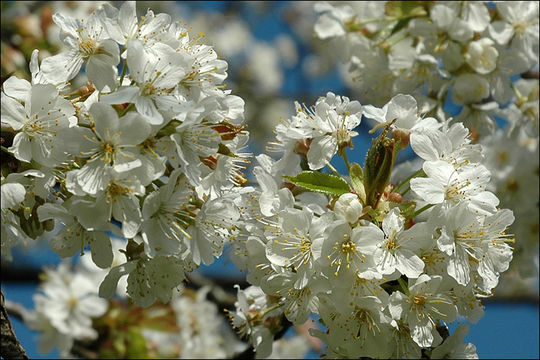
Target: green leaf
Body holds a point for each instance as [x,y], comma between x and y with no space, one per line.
[400,9]
[320,182]
[355,172]
[357,177]
[401,24]
[136,348]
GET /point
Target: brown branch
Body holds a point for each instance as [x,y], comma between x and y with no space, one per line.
[530,75]
[11,348]
[249,353]
[218,294]
[17,311]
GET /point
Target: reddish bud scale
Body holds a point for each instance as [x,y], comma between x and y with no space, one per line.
[302,147]
[395,197]
[210,161]
[402,137]
[228,131]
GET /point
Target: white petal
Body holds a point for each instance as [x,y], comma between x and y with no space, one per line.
[428,190]
[328,26]
[13,113]
[124,94]
[421,328]
[477,16]
[372,112]
[404,109]
[135,129]
[501,32]
[136,60]
[321,150]
[66,23]
[105,119]
[17,88]
[146,107]
[93,177]
[458,266]
[484,203]
[108,286]
[392,222]
[92,214]
[101,248]
[439,171]
[12,195]
[54,211]
[127,18]
[62,67]
[67,243]
[408,263]
[101,73]
[22,147]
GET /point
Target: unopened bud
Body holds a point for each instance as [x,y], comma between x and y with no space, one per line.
[348,207]
[395,197]
[378,167]
[133,250]
[402,137]
[301,147]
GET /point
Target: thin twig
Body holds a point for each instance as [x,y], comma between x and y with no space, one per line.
[223,297]
[249,353]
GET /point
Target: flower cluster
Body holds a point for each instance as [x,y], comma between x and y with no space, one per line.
[153,143]
[383,267]
[152,149]
[430,50]
[69,311]
[475,61]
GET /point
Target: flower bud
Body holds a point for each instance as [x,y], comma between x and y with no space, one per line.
[378,167]
[348,207]
[395,197]
[401,136]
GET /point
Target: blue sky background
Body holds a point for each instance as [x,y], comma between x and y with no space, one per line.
[508,330]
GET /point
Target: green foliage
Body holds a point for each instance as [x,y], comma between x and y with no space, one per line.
[320,182]
[357,178]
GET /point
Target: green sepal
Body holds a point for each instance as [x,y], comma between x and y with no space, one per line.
[407,209]
[224,150]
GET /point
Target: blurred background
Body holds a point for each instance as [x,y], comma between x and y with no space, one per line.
[274,59]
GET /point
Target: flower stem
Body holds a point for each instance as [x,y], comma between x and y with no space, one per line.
[406,181]
[406,191]
[403,286]
[333,168]
[346,159]
[124,67]
[272,308]
[126,110]
[357,26]
[302,208]
[4,149]
[421,210]
[7,129]
[159,183]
